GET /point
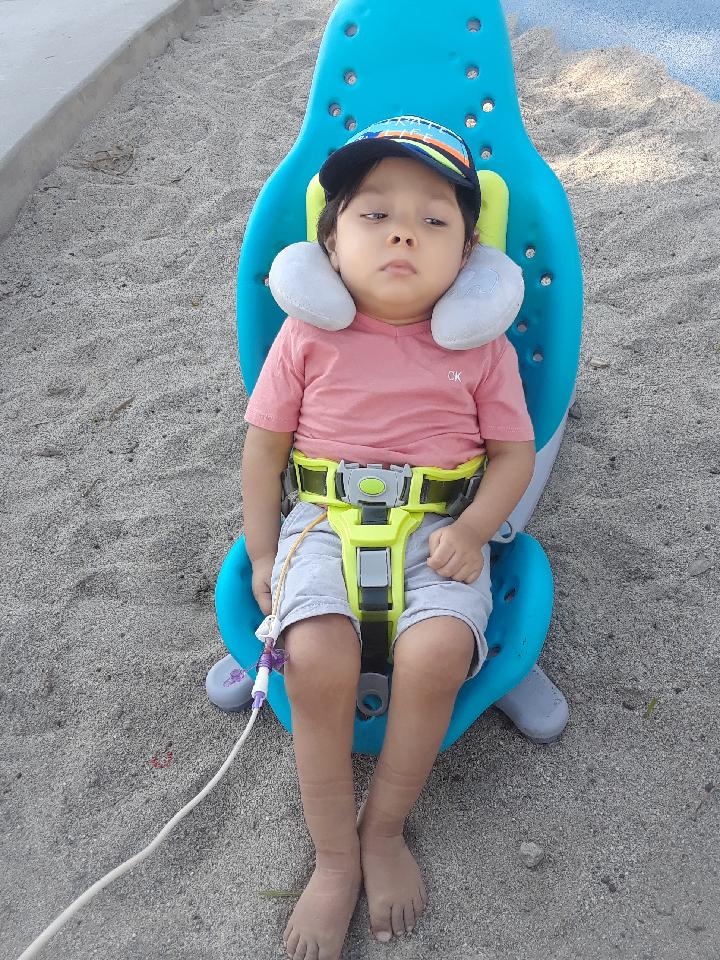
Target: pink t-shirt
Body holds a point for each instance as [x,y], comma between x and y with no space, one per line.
[377,393]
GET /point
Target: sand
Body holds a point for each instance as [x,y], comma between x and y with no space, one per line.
[122,433]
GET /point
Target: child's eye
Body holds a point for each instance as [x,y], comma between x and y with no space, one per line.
[377,214]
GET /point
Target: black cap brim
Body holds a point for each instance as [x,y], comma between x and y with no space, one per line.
[340,164]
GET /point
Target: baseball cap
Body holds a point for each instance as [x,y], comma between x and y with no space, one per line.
[432,144]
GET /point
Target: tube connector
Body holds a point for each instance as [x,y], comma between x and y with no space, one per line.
[269,629]
[260,688]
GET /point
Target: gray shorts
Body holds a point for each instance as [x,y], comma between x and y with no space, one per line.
[314,582]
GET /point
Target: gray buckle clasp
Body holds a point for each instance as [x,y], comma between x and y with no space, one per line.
[289,486]
[463,500]
[396,484]
[373,685]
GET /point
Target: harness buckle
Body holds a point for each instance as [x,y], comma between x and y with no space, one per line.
[373,484]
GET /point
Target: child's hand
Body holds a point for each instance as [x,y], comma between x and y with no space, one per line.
[261,579]
[456,552]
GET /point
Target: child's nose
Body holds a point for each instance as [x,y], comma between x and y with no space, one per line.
[403,236]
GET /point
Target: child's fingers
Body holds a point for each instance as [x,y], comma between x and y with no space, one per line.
[262,594]
[467,574]
[445,568]
[263,601]
[441,551]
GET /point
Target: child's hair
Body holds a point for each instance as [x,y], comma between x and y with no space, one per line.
[327,221]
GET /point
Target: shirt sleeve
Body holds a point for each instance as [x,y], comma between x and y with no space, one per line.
[277,398]
[500,398]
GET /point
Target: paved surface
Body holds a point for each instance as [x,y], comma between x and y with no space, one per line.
[59,63]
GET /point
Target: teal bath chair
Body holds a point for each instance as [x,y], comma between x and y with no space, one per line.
[450,63]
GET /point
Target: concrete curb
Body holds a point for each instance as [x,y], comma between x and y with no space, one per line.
[59,123]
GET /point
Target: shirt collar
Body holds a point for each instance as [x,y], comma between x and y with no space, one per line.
[364,321]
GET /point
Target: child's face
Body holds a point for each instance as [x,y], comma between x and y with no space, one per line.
[402,210]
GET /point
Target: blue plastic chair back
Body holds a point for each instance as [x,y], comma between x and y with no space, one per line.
[453,65]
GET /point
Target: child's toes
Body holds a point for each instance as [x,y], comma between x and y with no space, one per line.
[291,942]
[300,949]
[313,951]
[398,919]
[381,924]
[409,916]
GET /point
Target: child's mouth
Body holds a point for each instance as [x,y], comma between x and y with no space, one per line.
[400,269]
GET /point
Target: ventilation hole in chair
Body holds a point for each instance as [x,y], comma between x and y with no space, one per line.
[522,326]
[509,595]
[351,29]
[470,120]
[486,153]
[472,72]
[473,25]
[530,252]
[537,356]
[546,279]
[334,110]
[493,651]
[350,77]
[488,105]
[350,123]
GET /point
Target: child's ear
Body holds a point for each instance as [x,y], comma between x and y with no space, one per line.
[472,242]
[330,245]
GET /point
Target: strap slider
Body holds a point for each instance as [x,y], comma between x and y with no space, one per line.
[289,486]
[463,500]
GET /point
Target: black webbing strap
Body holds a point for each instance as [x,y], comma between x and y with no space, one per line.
[314,481]
[440,491]
[375,635]
[375,644]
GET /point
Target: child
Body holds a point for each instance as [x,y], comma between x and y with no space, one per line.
[381,391]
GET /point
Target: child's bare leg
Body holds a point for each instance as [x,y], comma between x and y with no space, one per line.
[431,661]
[321,680]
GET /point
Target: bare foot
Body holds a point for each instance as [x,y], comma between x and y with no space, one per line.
[318,925]
[395,890]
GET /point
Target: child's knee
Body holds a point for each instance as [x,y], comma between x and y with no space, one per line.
[324,656]
[435,653]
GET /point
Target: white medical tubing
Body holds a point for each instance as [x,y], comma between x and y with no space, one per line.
[47,934]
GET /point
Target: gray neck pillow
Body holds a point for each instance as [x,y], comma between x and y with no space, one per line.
[479,306]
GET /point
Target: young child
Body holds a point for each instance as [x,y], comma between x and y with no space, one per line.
[381,391]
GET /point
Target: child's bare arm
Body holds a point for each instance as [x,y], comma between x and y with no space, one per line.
[456,550]
[265,456]
[507,477]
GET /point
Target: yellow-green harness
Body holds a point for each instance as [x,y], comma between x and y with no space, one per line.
[374,510]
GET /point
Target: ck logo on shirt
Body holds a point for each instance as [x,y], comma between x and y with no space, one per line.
[455,375]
